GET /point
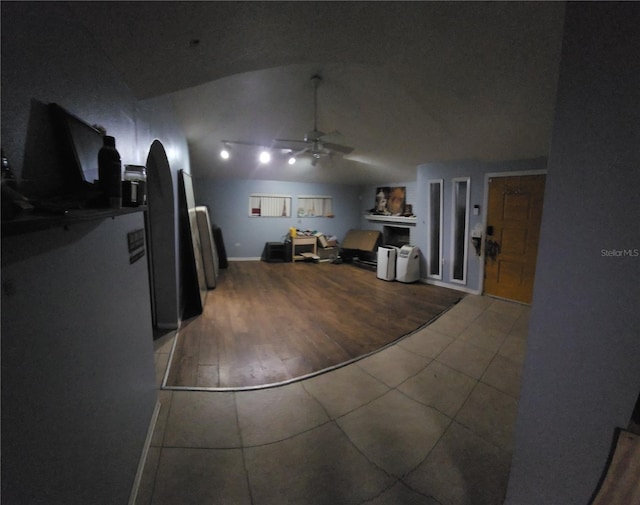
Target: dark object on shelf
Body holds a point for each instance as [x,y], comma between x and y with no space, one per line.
[8,177]
[275,251]
[133,193]
[80,144]
[110,172]
[222,252]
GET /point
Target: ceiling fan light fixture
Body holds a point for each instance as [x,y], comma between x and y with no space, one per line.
[225,152]
[292,160]
[265,156]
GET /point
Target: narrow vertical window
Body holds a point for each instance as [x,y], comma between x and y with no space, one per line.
[460,223]
[434,243]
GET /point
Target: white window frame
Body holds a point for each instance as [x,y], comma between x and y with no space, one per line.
[270,205]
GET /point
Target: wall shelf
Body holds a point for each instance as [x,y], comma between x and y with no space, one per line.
[35,221]
[394,220]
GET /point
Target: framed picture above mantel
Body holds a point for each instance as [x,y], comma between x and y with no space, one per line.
[391,201]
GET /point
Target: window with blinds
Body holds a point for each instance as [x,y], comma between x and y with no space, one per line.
[315,206]
[265,205]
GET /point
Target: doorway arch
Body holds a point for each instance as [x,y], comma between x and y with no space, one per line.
[161,237]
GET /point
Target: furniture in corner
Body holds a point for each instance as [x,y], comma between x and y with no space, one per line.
[303,241]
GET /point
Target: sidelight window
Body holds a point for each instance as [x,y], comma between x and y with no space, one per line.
[434,231]
[460,225]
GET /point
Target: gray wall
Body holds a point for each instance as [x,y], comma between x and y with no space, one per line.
[582,369]
[77,362]
[245,237]
[447,171]
[78,385]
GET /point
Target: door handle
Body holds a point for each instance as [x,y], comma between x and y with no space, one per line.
[491,249]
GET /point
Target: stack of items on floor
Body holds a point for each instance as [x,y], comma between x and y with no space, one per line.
[327,246]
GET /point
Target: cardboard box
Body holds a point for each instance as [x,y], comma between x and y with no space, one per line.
[328,253]
[362,240]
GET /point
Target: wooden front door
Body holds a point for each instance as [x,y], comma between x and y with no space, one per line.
[513,231]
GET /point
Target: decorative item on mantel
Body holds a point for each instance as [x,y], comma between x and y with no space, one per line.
[391,201]
[391,207]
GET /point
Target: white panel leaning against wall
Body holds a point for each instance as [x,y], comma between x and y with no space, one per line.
[267,205]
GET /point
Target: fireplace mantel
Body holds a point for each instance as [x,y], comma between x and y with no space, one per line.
[392,220]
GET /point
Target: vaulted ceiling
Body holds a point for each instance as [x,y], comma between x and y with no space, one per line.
[404,83]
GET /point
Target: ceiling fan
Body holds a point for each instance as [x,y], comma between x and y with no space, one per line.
[313,143]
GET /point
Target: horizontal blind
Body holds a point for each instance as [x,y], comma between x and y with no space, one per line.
[270,205]
[315,206]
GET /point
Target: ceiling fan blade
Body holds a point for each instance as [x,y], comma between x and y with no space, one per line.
[241,143]
[337,147]
[289,144]
[300,152]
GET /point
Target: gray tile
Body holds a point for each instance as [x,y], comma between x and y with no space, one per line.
[504,375]
[317,467]
[514,348]
[426,342]
[344,390]
[164,344]
[160,362]
[521,325]
[489,339]
[440,387]
[465,310]
[270,415]
[148,479]
[202,419]
[449,325]
[164,398]
[479,301]
[399,494]
[507,308]
[495,321]
[466,358]
[394,432]
[393,365]
[490,414]
[197,476]
[463,469]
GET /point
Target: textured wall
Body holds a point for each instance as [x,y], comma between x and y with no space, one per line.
[78,386]
[582,370]
[245,237]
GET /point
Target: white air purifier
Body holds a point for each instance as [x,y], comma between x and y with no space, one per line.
[386,268]
[408,264]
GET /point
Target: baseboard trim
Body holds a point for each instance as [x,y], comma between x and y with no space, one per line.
[257,258]
[143,456]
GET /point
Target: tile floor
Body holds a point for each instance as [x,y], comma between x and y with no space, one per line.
[428,420]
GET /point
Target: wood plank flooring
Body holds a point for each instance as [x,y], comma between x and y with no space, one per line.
[267,323]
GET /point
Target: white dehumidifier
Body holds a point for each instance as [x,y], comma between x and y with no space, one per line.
[386,267]
[408,264]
